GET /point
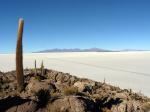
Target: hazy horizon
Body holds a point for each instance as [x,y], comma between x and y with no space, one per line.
[109,50]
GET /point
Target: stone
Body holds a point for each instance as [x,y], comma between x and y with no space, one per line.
[83,86]
[68,104]
[26,107]
[146,107]
[35,85]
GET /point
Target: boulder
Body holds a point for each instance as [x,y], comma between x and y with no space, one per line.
[61,77]
[34,86]
[146,107]
[26,107]
[127,106]
[84,86]
[124,96]
[17,104]
[68,104]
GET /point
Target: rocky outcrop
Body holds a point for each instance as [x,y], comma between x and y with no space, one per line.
[145,107]
[34,85]
[61,92]
[69,104]
[61,77]
[84,86]
[17,104]
[25,107]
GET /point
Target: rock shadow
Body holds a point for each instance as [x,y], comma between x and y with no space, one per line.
[107,103]
[9,102]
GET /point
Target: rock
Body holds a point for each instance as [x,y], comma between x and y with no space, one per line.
[63,77]
[88,82]
[106,87]
[146,107]
[60,87]
[73,79]
[35,85]
[26,107]
[60,77]
[11,76]
[130,106]
[124,96]
[83,86]
[80,86]
[61,92]
[68,104]
[51,74]
[17,104]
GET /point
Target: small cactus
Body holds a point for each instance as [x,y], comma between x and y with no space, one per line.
[104,81]
[19,57]
[35,68]
[42,68]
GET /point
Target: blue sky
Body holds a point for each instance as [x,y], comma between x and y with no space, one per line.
[107,24]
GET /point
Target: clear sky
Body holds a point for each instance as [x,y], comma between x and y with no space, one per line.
[107,24]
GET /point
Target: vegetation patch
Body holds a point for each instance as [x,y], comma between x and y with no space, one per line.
[70,90]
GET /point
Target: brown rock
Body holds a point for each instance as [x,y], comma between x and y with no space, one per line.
[26,107]
[67,104]
[35,85]
[130,106]
[83,86]
[124,96]
[146,107]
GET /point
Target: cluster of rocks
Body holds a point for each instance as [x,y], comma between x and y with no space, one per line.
[62,92]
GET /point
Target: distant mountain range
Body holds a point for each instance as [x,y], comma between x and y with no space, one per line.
[85,50]
[133,50]
[74,50]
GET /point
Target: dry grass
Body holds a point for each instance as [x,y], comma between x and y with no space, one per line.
[146,107]
[70,90]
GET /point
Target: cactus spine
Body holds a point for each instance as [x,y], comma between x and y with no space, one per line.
[19,57]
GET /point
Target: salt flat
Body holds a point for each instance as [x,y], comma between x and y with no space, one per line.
[123,69]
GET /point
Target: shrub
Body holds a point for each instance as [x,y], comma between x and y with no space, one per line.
[38,78]
[54,96]
[43,97]
[70,90]
[146,107]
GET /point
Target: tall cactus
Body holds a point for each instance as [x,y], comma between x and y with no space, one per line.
[19,57]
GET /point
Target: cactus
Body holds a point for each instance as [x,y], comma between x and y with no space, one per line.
[104,81]
[35,68]
[42,68]
[19,57]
